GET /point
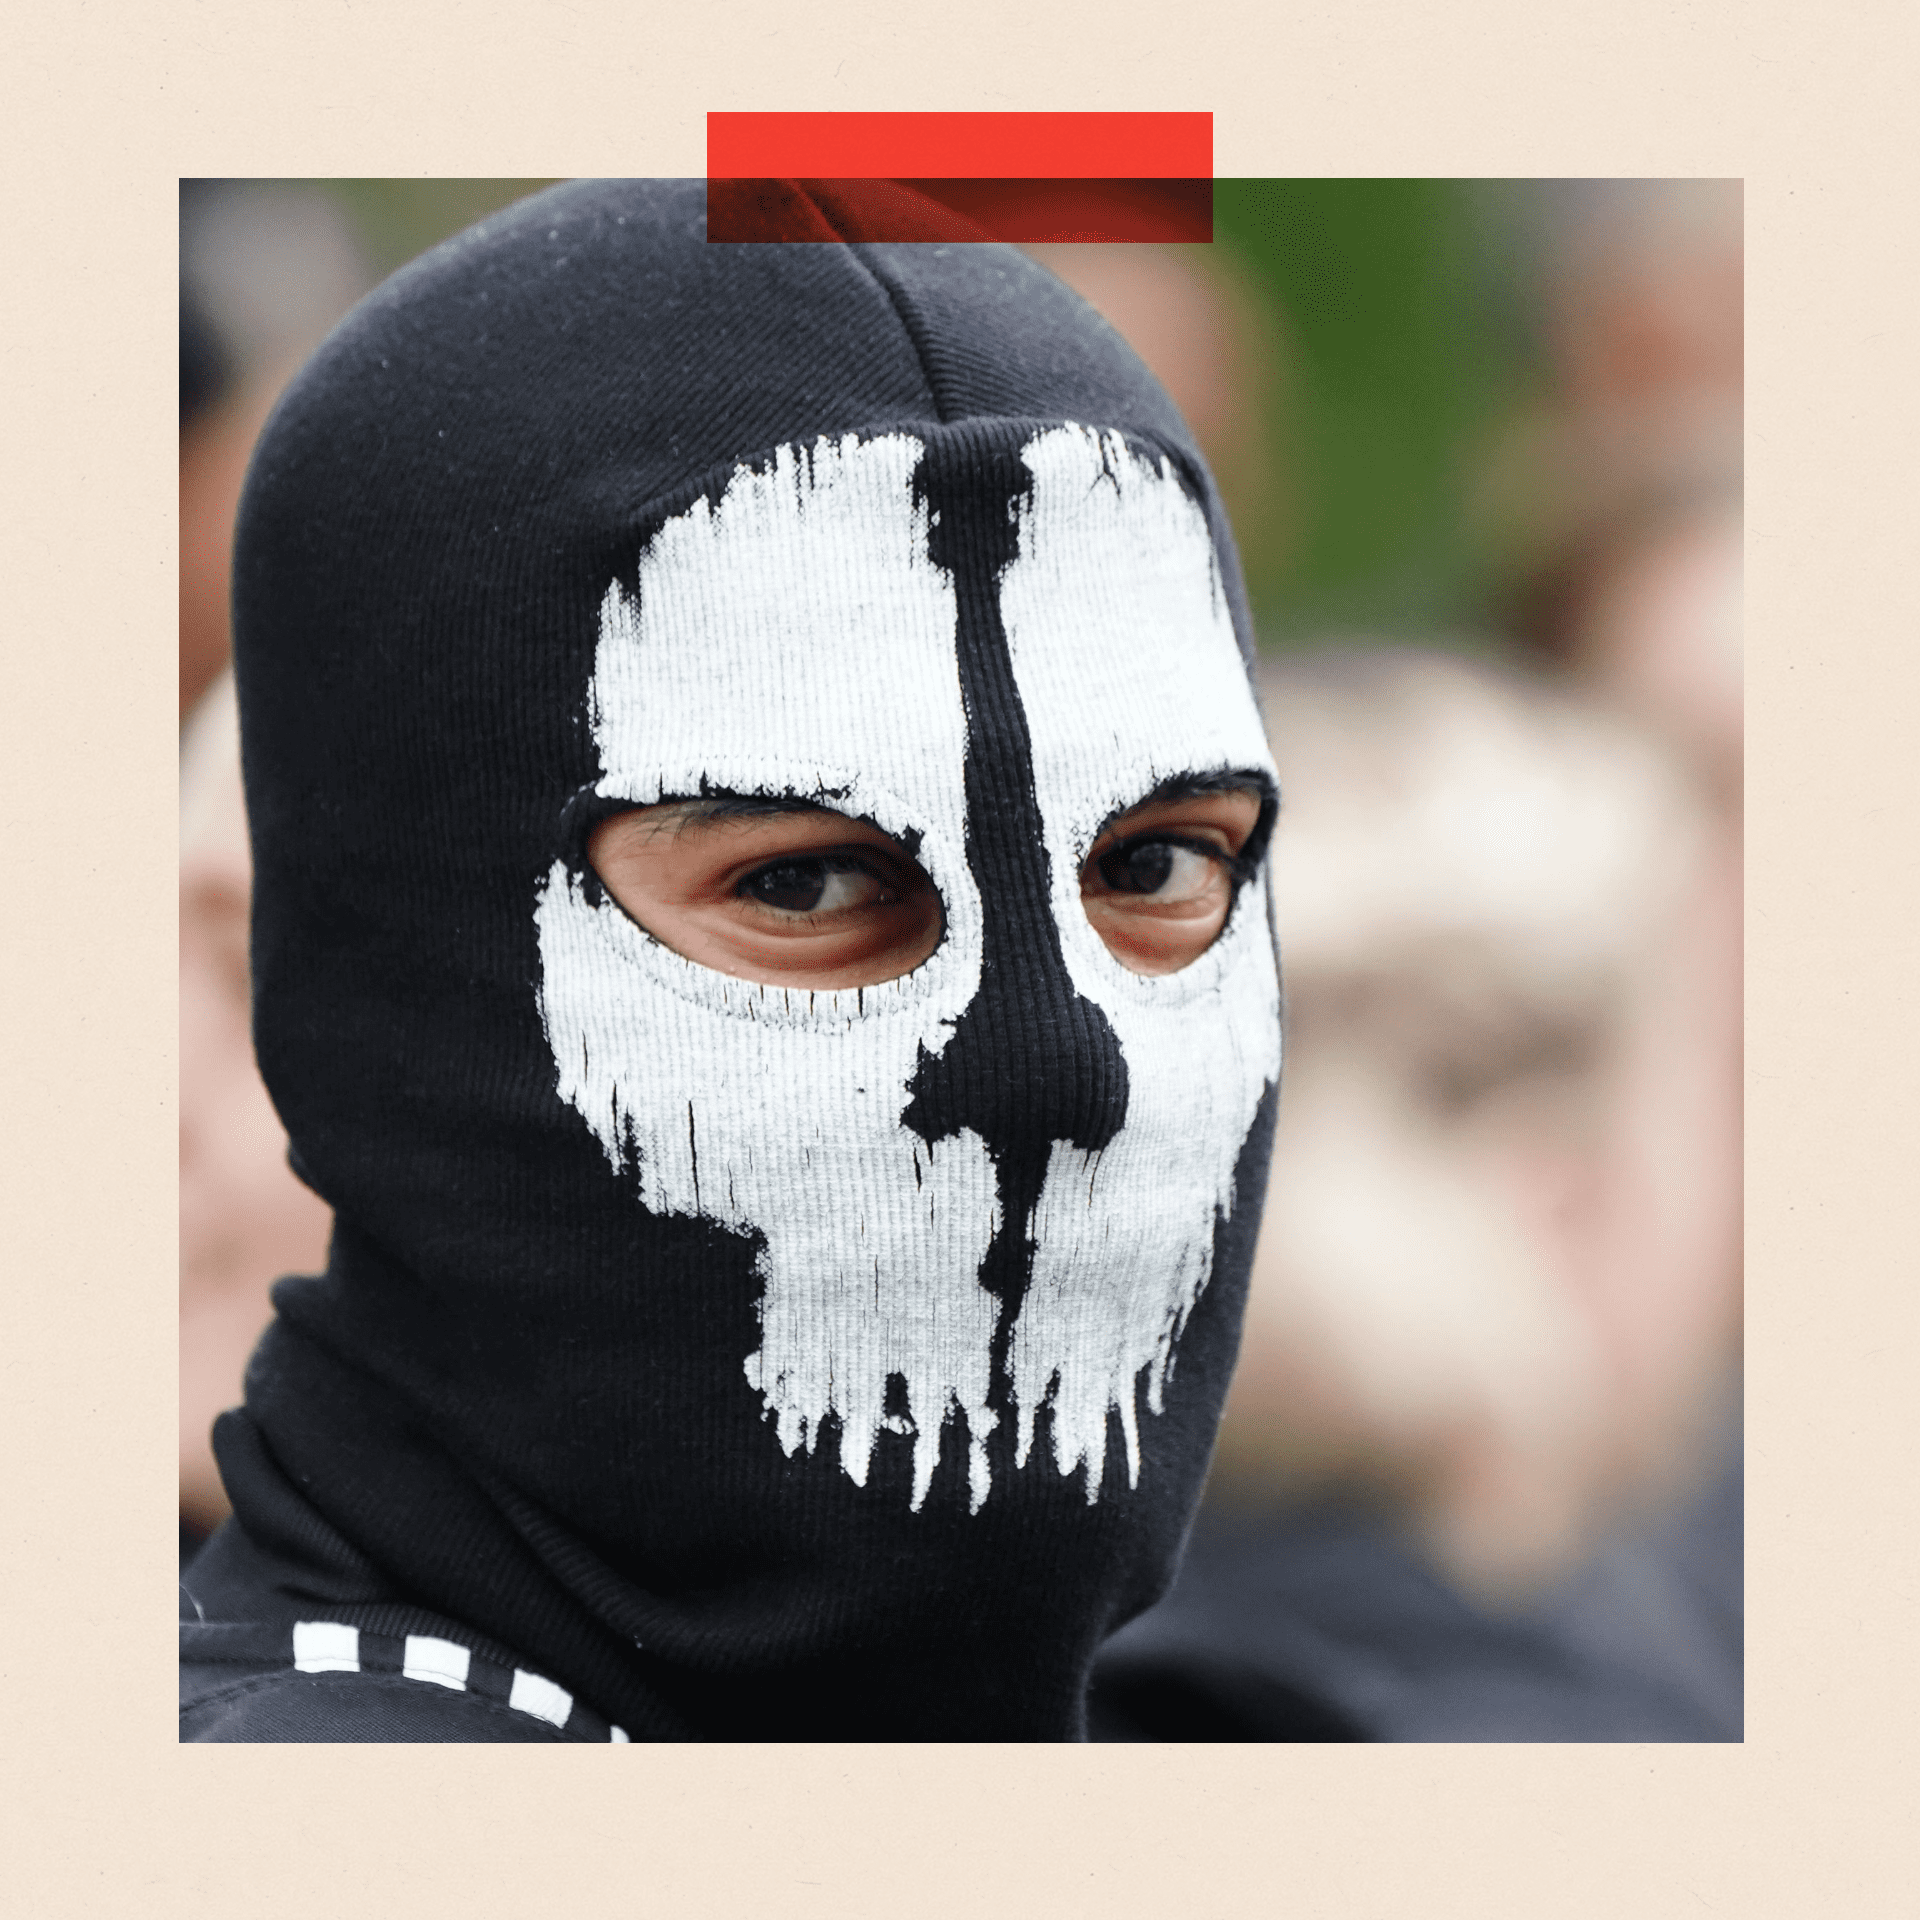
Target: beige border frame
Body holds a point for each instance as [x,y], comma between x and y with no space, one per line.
[107,106]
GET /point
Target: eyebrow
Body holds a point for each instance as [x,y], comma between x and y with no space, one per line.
[744,806]
[688,813]
[1194,786]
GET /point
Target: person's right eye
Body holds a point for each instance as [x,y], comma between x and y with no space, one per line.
[801,898]
[828,884]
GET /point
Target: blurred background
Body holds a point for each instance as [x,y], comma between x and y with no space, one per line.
[1481,442]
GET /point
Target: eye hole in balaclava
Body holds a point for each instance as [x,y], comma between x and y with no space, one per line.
[985,1185]
[771,890]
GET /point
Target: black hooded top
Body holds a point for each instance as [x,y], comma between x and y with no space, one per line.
[692,1362]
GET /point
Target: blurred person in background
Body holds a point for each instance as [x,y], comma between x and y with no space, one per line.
[1504,1242]
[1636,593]
[1631,547]
[1647,614]
[245,1218]
[266,267]
[1636,291]
[213,456]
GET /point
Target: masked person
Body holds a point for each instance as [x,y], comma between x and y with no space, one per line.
[761,937]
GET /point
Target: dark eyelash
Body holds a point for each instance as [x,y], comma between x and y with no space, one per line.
[833,861]
[1239,868]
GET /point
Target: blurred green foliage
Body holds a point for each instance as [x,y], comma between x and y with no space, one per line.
[396,219]
[1401,363]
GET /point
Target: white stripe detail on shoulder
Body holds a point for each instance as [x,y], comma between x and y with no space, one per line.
[541,1698]
[325,1646]
[620,1736]
[441,1661]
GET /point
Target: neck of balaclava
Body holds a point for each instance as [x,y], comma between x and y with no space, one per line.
[486,1472]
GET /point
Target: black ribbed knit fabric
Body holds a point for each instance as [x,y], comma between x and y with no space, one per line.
[515,1413]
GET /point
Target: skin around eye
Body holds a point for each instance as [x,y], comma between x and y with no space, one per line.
[804,898]
[1159,883]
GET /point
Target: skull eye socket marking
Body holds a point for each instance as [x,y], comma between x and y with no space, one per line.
[782,892]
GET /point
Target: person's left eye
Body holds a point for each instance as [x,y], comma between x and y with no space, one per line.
[829,884]
[1168,870]
[1158,886]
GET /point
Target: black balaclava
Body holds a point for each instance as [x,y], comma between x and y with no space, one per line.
[760,1363]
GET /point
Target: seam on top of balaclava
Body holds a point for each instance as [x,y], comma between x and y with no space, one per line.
[941,412]
[856,251]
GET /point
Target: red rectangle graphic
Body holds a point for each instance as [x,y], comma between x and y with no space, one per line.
[977,146]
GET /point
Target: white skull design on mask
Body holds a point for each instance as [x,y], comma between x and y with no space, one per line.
[796,638]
